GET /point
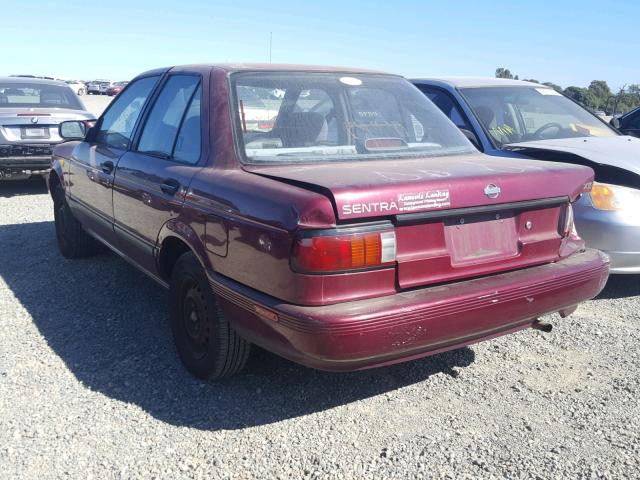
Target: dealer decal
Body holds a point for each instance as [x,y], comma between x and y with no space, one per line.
[430,199]
[406,202]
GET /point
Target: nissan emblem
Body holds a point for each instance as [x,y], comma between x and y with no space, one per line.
[492,190]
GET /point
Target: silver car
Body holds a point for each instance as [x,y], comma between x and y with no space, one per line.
[104,87]
[98,87]
[30,111]
[510,118]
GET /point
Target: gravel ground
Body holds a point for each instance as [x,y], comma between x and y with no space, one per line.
[90,387]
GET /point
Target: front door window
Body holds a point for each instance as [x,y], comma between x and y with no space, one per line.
[116,127]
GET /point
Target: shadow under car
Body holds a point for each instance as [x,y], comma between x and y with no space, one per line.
[14,188]
[109,324]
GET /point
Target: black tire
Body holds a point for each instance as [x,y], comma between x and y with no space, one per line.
[207,344]
[73,240]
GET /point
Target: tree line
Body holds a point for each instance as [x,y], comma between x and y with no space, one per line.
[597,96]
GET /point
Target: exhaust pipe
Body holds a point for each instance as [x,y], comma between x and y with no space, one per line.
[542,326]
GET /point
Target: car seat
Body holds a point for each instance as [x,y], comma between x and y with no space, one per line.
[487,116]
[299,129]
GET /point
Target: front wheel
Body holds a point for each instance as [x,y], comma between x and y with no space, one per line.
[73,240]
[207,344]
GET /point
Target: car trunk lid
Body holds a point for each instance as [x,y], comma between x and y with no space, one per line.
[363,190]
[454,217]
[35,125]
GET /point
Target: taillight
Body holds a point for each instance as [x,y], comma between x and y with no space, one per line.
[331,251]
[567,225]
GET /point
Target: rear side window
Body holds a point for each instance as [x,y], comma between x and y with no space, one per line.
[187,147]
[118,122]
[176,102]
[448,106]
[633,121]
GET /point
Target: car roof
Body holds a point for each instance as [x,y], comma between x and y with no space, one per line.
[471,82]
[265,67]
[31,80]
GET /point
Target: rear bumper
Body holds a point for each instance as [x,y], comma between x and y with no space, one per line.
[625,262]
[411,324]
[18,168]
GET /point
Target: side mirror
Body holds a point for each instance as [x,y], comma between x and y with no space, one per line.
[615,122]
[72,130]
[472,138]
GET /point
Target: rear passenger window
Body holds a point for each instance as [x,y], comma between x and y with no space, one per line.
[448,106]
[187,147]
[633,122]
[168,116]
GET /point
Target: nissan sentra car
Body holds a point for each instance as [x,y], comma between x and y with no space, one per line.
[30,111]
[518,119]
[344,224]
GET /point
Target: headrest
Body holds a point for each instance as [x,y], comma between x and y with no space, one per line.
[299,129]
[485,114]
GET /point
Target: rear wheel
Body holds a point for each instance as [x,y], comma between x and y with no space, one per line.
[207,344]
[73,240]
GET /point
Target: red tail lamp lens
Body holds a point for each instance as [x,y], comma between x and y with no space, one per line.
[335,253]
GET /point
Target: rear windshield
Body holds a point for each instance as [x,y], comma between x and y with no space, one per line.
[37,95]
[319,117]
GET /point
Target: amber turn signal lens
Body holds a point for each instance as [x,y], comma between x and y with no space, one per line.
[605,196]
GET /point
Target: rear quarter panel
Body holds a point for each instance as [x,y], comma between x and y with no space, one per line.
[247,224]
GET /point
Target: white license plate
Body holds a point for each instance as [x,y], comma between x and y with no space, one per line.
[39,132]
[481,240]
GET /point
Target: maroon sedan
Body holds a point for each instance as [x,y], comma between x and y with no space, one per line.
[335,217]
[116,88]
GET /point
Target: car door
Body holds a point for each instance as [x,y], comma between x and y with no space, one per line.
[631,125]
[93,162]
[151,180]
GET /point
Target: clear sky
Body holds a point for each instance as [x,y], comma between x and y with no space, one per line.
[567,42]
